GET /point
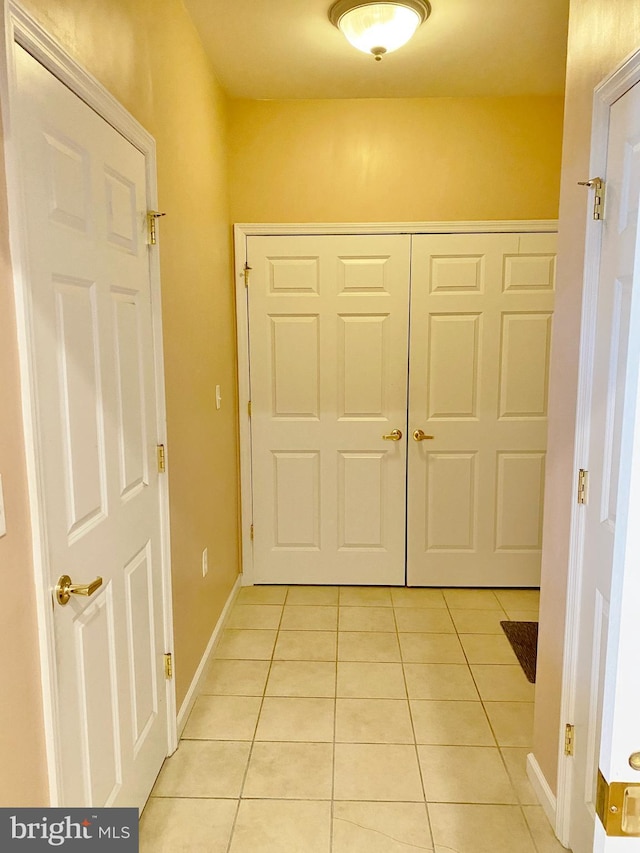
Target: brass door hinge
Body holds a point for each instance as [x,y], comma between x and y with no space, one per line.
[168,666]
[251,532]
[569,733]
[618,807]
[247,270]
[596,184]
[583,479]
[162,462]
[152,217]
[249,408]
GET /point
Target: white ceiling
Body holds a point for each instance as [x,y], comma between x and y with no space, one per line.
[266,49]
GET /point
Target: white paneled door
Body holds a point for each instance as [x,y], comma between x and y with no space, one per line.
[84,196]
[328,320]
[610,545]
[334,500]
[481,307]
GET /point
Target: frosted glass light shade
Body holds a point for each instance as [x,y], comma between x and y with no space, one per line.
[379,28]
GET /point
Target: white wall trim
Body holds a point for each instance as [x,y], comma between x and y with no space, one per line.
[498,226]
[245,230]
[29,34]
[21,29]
[244,395]
[192,692]
[605,95]
[542,789]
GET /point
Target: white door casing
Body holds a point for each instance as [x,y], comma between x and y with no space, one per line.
[481,309]
[606,695]
[328,321]
[88,301]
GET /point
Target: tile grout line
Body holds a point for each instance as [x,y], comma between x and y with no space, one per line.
[335,729]
[253,740]
[529,830]
[464,651]
[495,736]
[484,708]
[415,740]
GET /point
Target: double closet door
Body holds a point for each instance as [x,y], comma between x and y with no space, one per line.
[398,407]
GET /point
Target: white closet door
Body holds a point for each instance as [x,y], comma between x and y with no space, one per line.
[481,308]
[328,321]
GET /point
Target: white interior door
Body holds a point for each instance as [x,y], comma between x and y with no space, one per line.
[84,196]
[607,704]
[328,320]
[481,308]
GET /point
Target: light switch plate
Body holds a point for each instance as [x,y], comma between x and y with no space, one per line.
[3,523]
[218,397]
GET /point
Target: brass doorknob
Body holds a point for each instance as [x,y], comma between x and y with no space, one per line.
[394,435]
[65,589]
[418,435]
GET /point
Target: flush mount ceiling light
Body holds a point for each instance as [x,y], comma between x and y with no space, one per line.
[379,28]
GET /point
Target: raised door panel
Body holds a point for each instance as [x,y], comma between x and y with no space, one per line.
[453,366]
[630,185]
[121,213]
[130,390]
[293,275]
[456,273]
[519,493]
[614,402]
[141,641]
[361,501]
[295,366]
[99,738]
[451,521]
[528,272]
[296,500]
[362,366]
[69,183]
[363,274]
[525,345]
[80,404]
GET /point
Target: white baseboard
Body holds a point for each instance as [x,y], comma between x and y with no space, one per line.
[545,795]
[192,692]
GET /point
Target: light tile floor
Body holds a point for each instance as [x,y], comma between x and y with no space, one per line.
[357,720]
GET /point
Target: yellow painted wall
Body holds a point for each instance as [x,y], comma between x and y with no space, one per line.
[395,160]
[601,34]
[148,55]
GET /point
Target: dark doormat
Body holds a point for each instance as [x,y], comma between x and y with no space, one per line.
[523,637]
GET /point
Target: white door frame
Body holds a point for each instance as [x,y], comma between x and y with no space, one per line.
[605,95]
[20,29]
[244,230]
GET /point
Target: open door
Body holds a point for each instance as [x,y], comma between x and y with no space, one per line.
[93,382]
[607,687]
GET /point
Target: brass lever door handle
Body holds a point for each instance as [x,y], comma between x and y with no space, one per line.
[394,435]
[418,435]
[65,589]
